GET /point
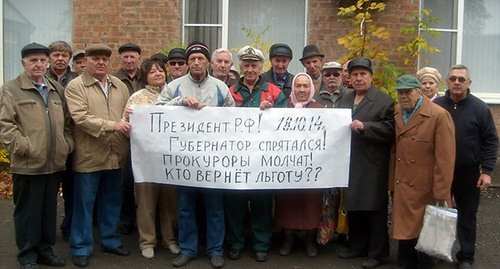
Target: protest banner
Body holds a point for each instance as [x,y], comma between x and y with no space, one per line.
[241,148]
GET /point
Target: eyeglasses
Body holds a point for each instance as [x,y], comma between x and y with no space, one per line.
[173,63]
[327,75]
[460,79]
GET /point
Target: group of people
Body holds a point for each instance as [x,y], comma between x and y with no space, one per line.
[73,127]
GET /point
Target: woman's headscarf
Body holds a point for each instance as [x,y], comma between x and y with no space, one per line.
[295,102]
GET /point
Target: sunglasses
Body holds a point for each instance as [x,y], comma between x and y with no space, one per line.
[327,75]
[173,63]
[460,79]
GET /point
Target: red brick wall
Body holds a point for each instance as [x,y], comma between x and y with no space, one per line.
[325,28]
[152,24]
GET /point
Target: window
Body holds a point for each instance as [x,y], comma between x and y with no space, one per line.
[218,23]
[469,35]
[32,21]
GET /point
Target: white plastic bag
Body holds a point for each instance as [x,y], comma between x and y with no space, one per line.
[438,233]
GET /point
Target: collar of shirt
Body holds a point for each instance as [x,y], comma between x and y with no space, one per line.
[41,88]
[407,115]
[280,81]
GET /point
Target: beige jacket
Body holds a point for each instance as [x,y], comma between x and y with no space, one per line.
[422,164]
[38,135]
[98,147]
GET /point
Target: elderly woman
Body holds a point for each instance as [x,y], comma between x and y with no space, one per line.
[300,210]
[429,77]
[149,196]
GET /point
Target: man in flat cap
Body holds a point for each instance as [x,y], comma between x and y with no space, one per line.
[312,60]
[130,57]
[35,128]
[422,163]
[96,102]
[79,61]
[59,70]
[280,56]
[221,64]
[476,141]
[251,91]
[334,90]
[372,134]
[196,90]
[176,63]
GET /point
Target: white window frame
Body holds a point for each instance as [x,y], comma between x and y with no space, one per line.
[225,22]
[489,98]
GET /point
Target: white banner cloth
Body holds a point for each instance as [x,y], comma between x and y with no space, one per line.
[241,148]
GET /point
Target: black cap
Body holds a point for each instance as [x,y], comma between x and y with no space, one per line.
[176,53]
[280,49]
[309,51]
[360,62]
[197,47]
[34,48]
[129,47]
[162,57]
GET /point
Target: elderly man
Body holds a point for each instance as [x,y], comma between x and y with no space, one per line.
[129,73]
[176,63]
[79,61]
[96,102]
[130,58]
[59,56]
[280,56]
[221,64]
[198,89]
[422,161]
[312,60]
[251,91]
[372,134]
[332,93]
[35,128]
[477,145]
[59,70]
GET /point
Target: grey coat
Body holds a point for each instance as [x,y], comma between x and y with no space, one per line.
[370,151]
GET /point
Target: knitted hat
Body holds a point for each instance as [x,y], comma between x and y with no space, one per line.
[197,47]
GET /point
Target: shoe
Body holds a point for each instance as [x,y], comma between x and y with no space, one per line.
[464,265]
[181,260]
[127,229]
[120,251]
[371,263]
[234,254]
[30,266]
[217,261]
[261,256]
[174,248]
[51,261]
[148,253]
[311,248]
[349,254]
[81,261]
[287,245]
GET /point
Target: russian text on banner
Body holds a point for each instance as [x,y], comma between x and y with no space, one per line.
[241,148]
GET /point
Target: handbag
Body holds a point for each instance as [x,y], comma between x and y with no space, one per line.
[342,225]
[328,216]
[438,233]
